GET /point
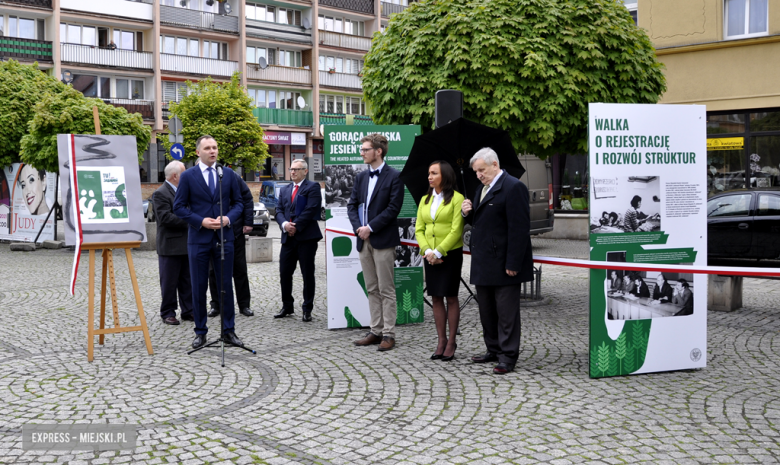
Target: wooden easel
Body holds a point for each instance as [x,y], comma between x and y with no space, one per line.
[108,271]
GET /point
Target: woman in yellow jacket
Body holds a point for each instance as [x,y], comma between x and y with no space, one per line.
[438,232]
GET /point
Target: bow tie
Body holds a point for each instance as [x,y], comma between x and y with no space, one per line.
[373,173]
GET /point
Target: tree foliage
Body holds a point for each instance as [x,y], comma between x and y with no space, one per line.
[21,87]
[527,66]
[69,112]
[223,111]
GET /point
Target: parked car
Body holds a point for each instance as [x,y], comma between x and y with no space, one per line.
[269,194]
[262,220]
[538,179]
[744,224]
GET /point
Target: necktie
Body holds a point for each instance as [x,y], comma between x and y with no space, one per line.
[484,191]
[295,191]
[373,173]
[212,184]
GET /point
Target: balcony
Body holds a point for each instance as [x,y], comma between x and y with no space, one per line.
[144,107]
[25,49]
[38,3]
[134,9]
[304,118]
[361,6]
[391,8]
[341,80]
[197,65]
[276,31]
[91,55]
[341,118]
[347,41]
[181,17]
[279,74]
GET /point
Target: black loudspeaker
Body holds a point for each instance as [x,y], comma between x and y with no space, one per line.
[449,106]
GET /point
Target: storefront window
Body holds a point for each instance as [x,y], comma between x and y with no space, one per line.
[725,170]
[766,121]
[765,161]
[725,124]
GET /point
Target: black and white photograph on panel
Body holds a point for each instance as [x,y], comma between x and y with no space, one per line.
[339,180]
[626,204]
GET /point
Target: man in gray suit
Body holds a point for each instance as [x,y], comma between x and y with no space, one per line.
[172,249]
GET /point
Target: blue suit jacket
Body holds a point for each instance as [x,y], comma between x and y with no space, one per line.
[304,212]
[194,202]
[383,209]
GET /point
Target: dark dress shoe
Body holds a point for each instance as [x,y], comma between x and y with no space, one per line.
[188,317]
[387,344]
[213,312]
[503,368]
[283,313]
[231,338]
[306,316]
[436,356]
[485,358]
[370,339]
[199,341]
[449,358]
[246,311]
[171,320]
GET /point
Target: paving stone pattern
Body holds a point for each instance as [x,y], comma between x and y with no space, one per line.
[309,396]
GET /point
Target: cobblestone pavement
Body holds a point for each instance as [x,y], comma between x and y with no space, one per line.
[310,396]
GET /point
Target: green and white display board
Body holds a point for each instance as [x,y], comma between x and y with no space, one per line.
[648,193]
[347,296]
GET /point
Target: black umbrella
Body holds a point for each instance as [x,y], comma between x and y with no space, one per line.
[456,143]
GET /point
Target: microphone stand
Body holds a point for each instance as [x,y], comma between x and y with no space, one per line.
[220,282]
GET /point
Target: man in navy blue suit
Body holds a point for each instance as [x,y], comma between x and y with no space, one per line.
[197,202]
[373,209]
[297,213]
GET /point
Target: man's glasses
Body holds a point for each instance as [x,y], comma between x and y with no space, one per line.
[362,150]
[297,169]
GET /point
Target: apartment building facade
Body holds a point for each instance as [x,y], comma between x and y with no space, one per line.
[724,54]
[300,60]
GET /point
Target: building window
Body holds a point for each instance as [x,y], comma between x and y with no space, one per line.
[745,18]
[290,58]
[73,34]
[215,50]
[341,65]
[180,46]
[174,91]
[92,86]
[267,98]
[341,25]
[287,16]
[253,55]
[129,89]
[264,13]
[22,28]
[124,40]
[342,104]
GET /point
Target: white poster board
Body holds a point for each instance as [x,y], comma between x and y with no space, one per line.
[648,192]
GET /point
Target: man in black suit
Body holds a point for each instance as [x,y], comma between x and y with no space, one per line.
[373,209]
[501,257]
[198,203]
[172,249]
[240,273]
[297,213]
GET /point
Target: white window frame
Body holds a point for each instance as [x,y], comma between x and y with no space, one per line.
[81,33]
[746,35]
[15,34]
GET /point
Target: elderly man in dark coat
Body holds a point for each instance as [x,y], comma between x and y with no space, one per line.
[501,257]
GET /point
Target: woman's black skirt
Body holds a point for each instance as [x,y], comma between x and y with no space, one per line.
[443,280]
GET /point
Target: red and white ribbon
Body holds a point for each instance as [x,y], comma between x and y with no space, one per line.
[74,189]
[595,265]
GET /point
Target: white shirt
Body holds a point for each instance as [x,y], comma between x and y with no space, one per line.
[284,225]
[436,200]
[204,169]
[493,182]
[371,184]
[169,183]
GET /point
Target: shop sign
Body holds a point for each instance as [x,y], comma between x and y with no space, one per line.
[726,143]
[280,138]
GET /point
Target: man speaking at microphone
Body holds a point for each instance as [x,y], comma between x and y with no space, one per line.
[197,202]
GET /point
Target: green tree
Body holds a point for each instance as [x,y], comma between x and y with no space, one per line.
[69,112]
[21,87]
[223,111]
[529,67]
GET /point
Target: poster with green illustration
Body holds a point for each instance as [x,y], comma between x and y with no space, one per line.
[102,195]
[347,297]
[647,189]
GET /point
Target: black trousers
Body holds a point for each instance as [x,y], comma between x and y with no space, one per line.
[499,311]
[240,276]
[294,252]
[175,277]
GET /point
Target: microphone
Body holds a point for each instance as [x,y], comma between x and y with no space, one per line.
[219,170]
